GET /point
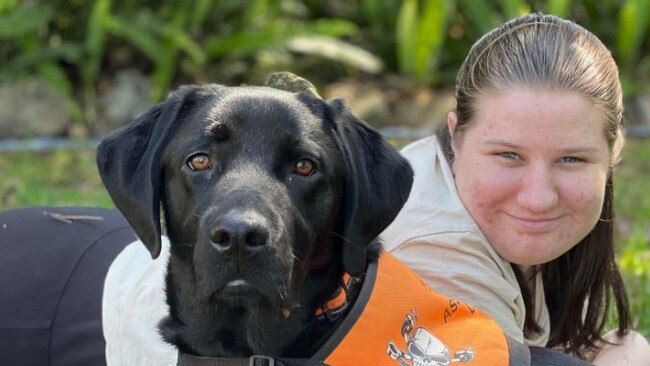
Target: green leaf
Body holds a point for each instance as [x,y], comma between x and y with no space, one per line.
[161,53]
[56,77]
[257,12]
[372,10]
[24,21]
[174,35]
[560,8]
[633,24]
[95,34]
[431,34]
[31,57]
[514,8]
[406,36]
[327,27]
[337,50]
[420,37]
[185,42]
[162,76]
[481,14]
[6,5]
[94,42]
[201,11]
[140,38]
[249,42]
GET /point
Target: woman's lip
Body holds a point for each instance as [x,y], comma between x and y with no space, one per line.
[540,219]
[535,222]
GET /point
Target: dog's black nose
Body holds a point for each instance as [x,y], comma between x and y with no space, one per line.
[248,231]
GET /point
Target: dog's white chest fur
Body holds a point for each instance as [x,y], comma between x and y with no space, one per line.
[133,304]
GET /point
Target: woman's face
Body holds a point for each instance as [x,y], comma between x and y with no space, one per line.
[531,170]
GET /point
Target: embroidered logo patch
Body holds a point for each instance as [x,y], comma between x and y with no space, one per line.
[423,348]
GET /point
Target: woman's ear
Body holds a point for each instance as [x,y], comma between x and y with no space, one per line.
[452,120]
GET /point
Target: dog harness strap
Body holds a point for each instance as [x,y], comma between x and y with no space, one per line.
[185,359]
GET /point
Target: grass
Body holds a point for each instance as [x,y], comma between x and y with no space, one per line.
[70,178]
[60,178]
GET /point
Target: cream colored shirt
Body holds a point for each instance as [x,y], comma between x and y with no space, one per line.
[435,236]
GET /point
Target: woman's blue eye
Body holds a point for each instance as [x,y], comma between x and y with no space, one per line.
[509,155]
[572,159]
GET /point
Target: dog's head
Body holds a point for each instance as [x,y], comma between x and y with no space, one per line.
[253,182]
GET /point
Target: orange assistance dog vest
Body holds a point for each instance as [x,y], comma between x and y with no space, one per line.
[398,320]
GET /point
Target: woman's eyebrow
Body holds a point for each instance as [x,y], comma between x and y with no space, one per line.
[568,150]
[501,143]
[580,149]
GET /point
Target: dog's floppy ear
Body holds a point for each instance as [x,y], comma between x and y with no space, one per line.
[378,182]
[129,163]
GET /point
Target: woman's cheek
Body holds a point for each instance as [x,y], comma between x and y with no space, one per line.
[489,190]
[586,195]
[497,183]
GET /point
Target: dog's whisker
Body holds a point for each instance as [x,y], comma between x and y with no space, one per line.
[297,260]
[280,293]
[341,237]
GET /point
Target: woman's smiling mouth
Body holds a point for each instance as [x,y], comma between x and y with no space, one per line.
[537,224]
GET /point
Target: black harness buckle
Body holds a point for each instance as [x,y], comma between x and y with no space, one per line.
[260,360]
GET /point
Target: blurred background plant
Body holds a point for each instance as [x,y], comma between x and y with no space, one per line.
[77,46]
[393,61]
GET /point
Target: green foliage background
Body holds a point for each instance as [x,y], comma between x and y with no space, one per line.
[77,45]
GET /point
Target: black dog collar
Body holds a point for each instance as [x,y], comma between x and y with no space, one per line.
[340,300]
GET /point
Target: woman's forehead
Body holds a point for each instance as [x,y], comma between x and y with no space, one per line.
[554,116]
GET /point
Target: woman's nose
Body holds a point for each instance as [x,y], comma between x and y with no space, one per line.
[538,191]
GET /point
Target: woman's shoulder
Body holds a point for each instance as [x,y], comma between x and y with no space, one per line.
[433,205]
[425,149]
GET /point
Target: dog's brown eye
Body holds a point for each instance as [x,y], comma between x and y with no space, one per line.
[304,167]
[199,162]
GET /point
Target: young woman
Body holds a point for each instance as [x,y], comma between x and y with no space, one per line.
[512,206]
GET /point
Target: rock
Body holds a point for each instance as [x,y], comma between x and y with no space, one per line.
[424,108]
[394,104]
[31,108]
[365,101]
[124,100]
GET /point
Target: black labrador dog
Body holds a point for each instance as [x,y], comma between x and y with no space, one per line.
[268,198]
